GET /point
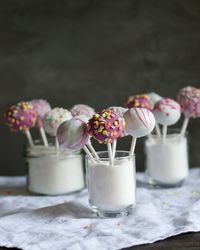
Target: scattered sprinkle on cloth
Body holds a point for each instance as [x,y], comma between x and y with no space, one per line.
[33,222]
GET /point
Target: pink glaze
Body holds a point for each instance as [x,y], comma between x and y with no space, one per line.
[106,126]
[140,101]
[41,108]
[189,99]
[21,117]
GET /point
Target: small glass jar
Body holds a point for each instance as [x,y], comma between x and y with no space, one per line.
[111,188]
[167,160]
[53,173]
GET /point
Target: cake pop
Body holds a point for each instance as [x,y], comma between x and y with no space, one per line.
[41,107]
[167,112]
[139,101]
[154,97]
[73,134]
[82,109]
[21,117]
[119,110]
[139,122]
[189,100]
[105,127]
[54,118]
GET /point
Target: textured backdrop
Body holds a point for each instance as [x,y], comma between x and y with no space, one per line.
[98,53]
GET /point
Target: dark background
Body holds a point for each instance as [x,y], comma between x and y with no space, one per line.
[97,53]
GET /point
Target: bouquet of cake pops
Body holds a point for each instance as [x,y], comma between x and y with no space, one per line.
[74,128]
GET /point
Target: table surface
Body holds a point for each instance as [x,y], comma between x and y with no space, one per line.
[187,241]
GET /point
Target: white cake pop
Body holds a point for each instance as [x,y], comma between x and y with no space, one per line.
[139,122]
[82,109]
[154,97]
[54,118]
[167,111]
[73,134]
[119,110]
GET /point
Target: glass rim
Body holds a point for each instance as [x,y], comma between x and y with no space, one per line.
[116,157]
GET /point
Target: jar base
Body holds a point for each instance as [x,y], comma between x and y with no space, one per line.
[158,184]
[112,214]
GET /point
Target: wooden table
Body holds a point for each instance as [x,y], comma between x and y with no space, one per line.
[187,241]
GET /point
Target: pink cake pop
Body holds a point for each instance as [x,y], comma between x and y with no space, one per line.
[167,111]
[82,109]
[73,134]
[189,99]
[139,122]
[41,108]
[140,101]
[106,126]
[21,117]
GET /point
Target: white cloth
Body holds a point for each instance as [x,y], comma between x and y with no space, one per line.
[66,222]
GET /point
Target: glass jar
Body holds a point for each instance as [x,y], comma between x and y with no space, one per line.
[167,160]
[111,188]
[53,173]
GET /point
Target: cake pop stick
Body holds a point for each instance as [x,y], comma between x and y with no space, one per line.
[21,117]
[41,108]
[110,153]
[53,119]
[189,100]
[105,127]
[114,146]
[118,110]
[139,122]
[166,112]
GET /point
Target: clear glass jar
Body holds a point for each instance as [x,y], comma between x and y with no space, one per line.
[111,189]
[53,173]
[167,160]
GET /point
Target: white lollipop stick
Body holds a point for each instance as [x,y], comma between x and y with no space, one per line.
[89,144]
[110,153]
[132,149]
[157,128]
[88,153]
[29,137]
[164,132]
[57,145]
[114,146]
[184,127]
[44,138]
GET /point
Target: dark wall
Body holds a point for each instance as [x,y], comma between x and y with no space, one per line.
[98,53]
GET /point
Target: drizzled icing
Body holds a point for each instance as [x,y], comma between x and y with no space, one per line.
[139,122]
[20,117]
[106,126]
[189,99]
[140,101]
[167,111]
